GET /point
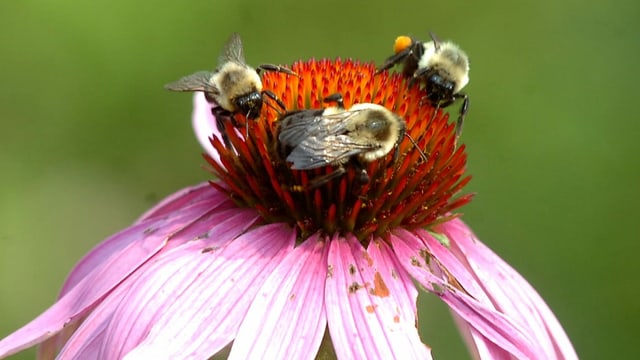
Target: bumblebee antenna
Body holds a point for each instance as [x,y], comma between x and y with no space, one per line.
[436,41]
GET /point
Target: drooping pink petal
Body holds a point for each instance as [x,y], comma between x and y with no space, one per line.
[87,340]
[203,318]
[125,317]
[287,318]
[453,265]
[486,320]
[126,330]
[406,247]
[479,346]
[183,207]
[225,224]
[184,197]
[112,261]
[510,292]
[366,304]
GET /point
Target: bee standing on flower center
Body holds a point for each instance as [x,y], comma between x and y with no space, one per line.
[442,67]
[336,136]
[234,87]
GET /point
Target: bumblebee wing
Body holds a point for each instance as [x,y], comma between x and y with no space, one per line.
[199,81]
[295,126]
[233,51]
[323,140]
[316,152]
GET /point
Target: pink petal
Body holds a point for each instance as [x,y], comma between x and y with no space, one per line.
[477,343]
[134,321]
[510,292]
[183,198]
[451,264]
[87,340]
[287,319]
[179,209]
[407,248]
[204,124]
[204,317]
[112,261]
[490,323]
[129,330]
[479,346]
[368,307]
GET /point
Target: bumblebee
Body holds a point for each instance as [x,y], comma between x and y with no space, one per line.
[442,68]
[234,87]
[336,136]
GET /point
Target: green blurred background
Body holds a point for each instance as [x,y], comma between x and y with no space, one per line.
[90,139]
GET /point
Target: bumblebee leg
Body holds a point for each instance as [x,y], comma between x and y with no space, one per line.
[361,176]
[463,111]
[221,116]
[275,98]
[323,179]
[395,59]
[415,144]
[418,74]
[435,111]
[361,170]
[276,68]
[396,153]
[337,97]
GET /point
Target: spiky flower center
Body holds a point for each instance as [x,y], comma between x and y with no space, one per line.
[403,190]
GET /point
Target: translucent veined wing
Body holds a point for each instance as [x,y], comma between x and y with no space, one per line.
[318,140]
[295,126]
[199,81]
[233,51]
[315,152]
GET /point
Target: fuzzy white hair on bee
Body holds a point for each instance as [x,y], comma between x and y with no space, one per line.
[233,87]
[441,68]
[449,59]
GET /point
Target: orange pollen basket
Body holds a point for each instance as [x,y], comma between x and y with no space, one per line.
[401,43]
[404,189]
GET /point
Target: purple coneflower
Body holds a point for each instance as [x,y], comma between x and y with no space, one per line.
[259,260]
